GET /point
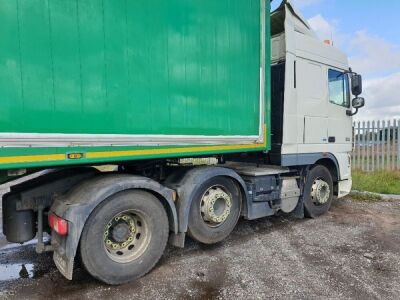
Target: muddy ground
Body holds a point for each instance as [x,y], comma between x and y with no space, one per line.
[352,252]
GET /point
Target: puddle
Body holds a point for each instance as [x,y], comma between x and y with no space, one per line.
[16,271]
[21,261]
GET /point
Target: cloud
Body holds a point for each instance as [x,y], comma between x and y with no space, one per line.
[328,30]
[369,54]
[381,98]
[322,27]
[373,55]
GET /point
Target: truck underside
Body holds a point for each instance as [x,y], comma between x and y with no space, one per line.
[204,201]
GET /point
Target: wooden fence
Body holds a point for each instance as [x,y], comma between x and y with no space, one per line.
[376,145]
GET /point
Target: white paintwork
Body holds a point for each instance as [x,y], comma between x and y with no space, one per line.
[344,188]
[278,48]
[309,117]
[315,130]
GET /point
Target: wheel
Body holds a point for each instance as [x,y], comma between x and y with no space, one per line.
[124,237]
[214,211]
[318,192]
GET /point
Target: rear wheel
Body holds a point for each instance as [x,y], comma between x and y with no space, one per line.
[124,237]
[318,192]
[215,210]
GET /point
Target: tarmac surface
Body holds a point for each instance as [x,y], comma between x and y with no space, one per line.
[353,252]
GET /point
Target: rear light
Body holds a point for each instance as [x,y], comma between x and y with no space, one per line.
[58,224]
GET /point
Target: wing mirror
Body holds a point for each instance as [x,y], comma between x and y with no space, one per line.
[356,85]
[358,102]
[356,90]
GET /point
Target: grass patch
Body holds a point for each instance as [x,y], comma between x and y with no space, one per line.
[365,196]
[382,182]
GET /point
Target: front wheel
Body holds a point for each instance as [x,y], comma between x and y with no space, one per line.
[318,192]
[124,237]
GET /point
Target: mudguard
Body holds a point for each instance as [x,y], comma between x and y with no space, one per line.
[186,187]
[77,205]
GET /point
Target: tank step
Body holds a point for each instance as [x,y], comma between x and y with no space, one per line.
[256,170]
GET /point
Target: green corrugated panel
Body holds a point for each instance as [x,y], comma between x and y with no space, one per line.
[143,67]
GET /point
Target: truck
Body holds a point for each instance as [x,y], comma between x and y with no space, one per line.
[109,109]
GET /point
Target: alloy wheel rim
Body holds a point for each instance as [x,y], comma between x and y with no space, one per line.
[320,192]
[126,236]
[215,206]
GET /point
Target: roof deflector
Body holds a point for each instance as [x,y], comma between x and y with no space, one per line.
[287,12]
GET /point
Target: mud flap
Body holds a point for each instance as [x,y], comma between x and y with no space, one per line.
[64,265]
[63,261]
[298,213]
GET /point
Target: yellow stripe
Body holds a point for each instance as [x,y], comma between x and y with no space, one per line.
[144,152]
[110,154]
[31,158]
[170,151]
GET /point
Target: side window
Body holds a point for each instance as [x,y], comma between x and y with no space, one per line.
[339,91]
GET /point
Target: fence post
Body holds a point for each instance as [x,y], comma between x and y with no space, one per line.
[373,146]
[354,144]
[368,131]
[398,144]
[393,145]
[383,145]
[363,147]
[378,147]
[359,145]
[388,145]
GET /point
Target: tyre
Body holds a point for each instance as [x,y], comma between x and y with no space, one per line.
[124,237]
[214,211]
[318,192]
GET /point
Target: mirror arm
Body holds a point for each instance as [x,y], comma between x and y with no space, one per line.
[350,113]
[350,71]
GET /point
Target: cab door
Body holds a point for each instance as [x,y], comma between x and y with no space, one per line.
[339,123]
[312,106]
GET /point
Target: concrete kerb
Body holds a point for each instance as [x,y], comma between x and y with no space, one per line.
[382,196]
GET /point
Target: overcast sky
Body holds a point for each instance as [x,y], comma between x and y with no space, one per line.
[369,32]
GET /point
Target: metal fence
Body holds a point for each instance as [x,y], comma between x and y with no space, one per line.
[376,145]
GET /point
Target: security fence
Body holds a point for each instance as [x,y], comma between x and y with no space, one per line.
[376,145]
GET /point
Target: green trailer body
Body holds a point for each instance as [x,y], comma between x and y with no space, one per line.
[103,81]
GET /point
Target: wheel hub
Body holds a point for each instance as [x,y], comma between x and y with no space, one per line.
[126,236]
[216,206]
[320,192]
[121,233]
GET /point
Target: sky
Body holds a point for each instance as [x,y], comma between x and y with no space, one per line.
[369,33]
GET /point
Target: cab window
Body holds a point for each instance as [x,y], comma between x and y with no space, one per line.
[339,91]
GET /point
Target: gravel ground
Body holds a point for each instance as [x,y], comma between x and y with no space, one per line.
[352,252]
